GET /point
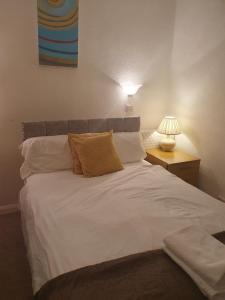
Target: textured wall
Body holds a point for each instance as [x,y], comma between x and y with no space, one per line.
[199,85]
[128,40]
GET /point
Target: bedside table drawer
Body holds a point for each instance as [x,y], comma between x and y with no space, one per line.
[179,163]
[187,171]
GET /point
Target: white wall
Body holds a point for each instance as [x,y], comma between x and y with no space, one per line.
[119,41]
[198,66]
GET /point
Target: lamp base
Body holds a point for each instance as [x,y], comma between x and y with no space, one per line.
[167,144]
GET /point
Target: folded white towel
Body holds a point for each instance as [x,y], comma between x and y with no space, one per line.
[201,256]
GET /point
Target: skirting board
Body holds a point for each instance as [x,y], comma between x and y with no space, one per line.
[8,209]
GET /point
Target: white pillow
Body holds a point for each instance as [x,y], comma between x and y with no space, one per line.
[129,146]
[45,154]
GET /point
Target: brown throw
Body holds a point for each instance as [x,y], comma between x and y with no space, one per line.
[150,275]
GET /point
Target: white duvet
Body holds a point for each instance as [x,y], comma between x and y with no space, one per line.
[71,221]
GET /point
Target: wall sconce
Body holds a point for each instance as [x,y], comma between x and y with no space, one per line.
[130,89]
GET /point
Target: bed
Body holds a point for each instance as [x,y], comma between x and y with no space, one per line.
[71,222]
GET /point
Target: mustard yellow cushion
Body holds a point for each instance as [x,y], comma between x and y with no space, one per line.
[76,161]
[97,155]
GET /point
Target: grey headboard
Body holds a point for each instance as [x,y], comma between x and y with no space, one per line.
[33,129]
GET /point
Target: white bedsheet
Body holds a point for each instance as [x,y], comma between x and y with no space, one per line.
[71,221]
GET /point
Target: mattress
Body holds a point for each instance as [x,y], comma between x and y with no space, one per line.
[71,221]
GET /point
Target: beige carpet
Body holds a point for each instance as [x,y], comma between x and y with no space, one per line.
[15,278]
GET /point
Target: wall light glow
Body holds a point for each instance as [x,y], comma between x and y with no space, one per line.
[130,89]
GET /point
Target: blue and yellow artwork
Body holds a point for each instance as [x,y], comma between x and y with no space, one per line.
[58,32]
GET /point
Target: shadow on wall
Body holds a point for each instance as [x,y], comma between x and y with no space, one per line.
[208,181]
[200,100]
[198,84]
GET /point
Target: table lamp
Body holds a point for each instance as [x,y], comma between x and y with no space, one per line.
[169,127]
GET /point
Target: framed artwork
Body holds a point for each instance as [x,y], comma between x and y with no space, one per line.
[58,32]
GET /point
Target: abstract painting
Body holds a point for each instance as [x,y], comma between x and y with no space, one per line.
[58,32]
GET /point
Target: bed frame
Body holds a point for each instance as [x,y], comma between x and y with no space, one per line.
[34,129]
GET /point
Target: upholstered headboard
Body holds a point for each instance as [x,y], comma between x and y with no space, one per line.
[33,129]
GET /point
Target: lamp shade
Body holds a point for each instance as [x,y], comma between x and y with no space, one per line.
[169,126]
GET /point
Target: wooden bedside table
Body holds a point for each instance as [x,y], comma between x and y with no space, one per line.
[177,162]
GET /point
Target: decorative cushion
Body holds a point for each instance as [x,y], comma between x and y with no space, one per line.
[76,161]
[97,154]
